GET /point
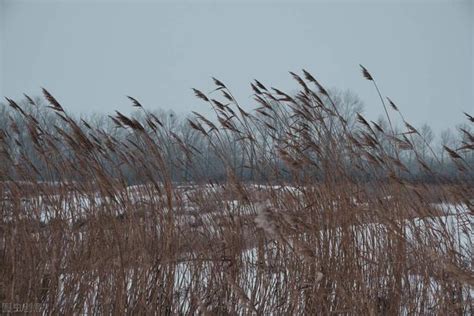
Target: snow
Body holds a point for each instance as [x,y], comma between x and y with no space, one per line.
[453,230]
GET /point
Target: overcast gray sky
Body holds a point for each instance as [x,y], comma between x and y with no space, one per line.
[90,54]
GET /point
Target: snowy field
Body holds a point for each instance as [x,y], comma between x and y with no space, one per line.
[211,213]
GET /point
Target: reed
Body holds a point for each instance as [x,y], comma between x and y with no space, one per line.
[94,221]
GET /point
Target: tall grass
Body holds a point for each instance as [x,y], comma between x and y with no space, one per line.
[309,237]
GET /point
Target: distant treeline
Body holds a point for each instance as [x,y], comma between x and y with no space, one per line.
[264,145]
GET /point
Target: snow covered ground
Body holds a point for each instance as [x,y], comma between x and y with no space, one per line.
[453,228]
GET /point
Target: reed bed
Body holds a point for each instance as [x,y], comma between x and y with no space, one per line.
[323,222]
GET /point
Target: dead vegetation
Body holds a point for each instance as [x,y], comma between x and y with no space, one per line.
[312,237]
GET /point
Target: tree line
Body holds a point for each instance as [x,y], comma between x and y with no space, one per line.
[196,148]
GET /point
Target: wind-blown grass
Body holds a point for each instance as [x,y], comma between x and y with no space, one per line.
[332,226]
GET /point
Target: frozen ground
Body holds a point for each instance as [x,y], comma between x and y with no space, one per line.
[453,228]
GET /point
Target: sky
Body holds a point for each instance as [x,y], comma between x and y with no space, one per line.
[91,54]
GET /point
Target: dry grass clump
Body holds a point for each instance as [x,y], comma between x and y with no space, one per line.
[329,225]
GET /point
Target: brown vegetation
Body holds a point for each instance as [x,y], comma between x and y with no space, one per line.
[312,237]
